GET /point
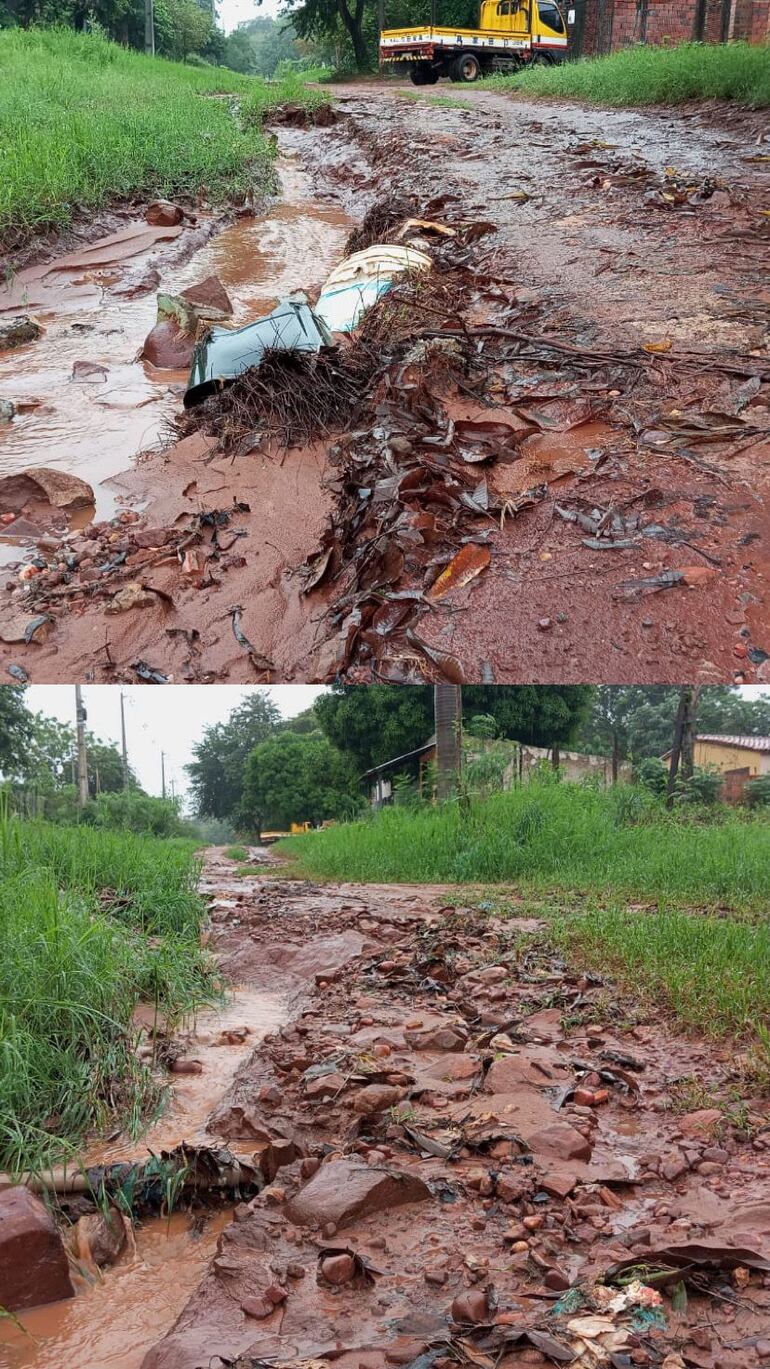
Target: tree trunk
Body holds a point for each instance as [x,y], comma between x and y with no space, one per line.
[688,736]
[615,757]
[354,24]
[447,709]
[684,723]
[555,757]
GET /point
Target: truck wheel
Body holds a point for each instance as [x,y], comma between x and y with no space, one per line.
[465,68]
[422,74]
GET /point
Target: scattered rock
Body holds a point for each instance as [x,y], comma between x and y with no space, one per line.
[164,214]
[33,1262]
[17,332]
[338,1269]
[472,1306]
[375,1098]
[344,1189]
[43,485]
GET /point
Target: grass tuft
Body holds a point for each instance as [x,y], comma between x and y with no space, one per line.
[93,924]
[85,122]
[654,75]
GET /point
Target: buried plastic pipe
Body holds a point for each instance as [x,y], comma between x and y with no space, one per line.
[63,1181]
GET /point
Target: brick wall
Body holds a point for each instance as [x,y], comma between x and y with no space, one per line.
[610,24]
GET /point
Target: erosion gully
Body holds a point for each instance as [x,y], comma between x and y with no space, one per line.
[622,495]
[470,1150]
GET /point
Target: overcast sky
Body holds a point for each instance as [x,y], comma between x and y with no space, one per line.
[168,719]
[233,12]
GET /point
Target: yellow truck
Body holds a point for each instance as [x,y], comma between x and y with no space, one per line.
[511,33]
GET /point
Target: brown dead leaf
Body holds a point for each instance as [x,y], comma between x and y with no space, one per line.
[469,562]
[664,345]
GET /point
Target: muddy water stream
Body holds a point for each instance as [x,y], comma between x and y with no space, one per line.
[112,1323]
[94,426]
[113,1320]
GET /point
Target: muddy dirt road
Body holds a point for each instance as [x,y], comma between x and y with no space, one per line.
[574,400]
[473,1154]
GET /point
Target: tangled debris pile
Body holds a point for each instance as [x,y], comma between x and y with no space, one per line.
[476,1157]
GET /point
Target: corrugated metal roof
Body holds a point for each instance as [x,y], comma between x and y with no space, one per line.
[747,743]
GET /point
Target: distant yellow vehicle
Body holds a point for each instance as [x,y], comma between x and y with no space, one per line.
[511,33]
[297,827]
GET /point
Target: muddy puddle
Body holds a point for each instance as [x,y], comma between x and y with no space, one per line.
[112,1322]
[85,403]
[118,1314]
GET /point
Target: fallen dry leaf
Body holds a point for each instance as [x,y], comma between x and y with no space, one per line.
[469,562]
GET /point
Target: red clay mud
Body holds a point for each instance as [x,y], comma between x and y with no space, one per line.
[603,298]
[467,1137]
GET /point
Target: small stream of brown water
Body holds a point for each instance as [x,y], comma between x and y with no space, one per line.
[95,426]
[113,1320]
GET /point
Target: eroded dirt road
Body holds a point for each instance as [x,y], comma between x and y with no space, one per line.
[610,502]
[472,1154]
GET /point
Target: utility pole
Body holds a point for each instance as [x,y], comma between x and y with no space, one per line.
[123,738]
[149,28]
[163,773]
[80,724]
[380,15]
[447,712]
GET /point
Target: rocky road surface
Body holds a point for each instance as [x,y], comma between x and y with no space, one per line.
[574,401]
[474,1154]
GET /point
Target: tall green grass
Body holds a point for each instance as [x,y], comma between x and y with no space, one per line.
[712,973]
[547,836]
[72,974]
[655,75]
[84,122]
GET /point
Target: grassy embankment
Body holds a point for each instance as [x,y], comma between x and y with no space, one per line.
[84,122]
[654,75]
[92,924]
[583,859]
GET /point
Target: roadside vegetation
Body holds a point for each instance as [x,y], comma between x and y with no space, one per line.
[654,75]
[545,835]
[85,122]
[93,923]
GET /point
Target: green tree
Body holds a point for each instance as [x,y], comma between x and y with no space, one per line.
[15,729]
[381,721]
[638,720]
[217,772]
[293,778]
[49,759]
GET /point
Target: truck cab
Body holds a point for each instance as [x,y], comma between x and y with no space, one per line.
[510,34]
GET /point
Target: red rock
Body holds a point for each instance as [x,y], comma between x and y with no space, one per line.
[163,214]
[275,1294]
[584,1098]
[348,1188]
[325,1086]
[557,1280]
[295,1271]
[152,537]
[338,1268]
[558,1185]
[674,1168]
[435,1276]
[700,1123]
[472,1306]
[452,1037]
[561,1140]
[33,1264]
[167,347]
[309,1167]
[209,298]
[375,1098]
[259,1307]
